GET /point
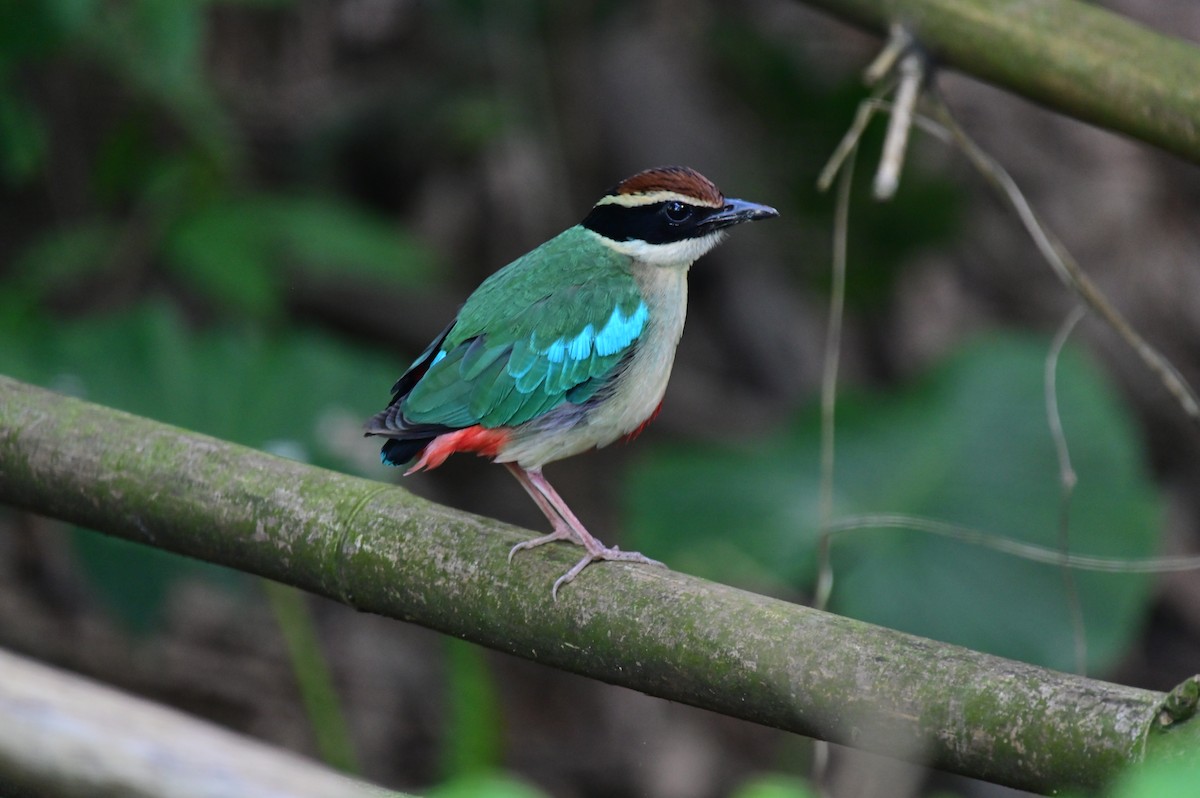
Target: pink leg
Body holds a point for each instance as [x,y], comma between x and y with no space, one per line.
[562,531]
[566,527]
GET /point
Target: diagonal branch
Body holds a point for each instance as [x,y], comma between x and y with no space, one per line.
[382,550]
[1071,56]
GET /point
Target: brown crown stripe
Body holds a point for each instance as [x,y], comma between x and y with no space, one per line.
[676,179]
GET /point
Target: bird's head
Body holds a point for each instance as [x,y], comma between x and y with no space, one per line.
[668,216]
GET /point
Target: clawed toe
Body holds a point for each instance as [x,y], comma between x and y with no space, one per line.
[605,553]
[595,554]
[616,555]
[559,534]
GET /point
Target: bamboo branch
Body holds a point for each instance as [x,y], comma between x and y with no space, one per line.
[380,549]
[66,736]
[1074,57]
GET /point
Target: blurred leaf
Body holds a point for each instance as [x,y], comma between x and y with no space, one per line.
[28,32]
[775,785]
[71,15]
[241,386]
[304,394]
[1158,778]
[237,251]
[473,744]
[223,252]
[126,160]
[968,445]
[134,581]
[495,785]
[22,140]
[254,3]
[334,238]
[61,257]
[34,30]
[154,50]
[156,45]
[167,39]
[472,120]
[313,678]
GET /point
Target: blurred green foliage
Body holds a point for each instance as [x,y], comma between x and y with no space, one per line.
[173,223]
[309,664]
[1158,778]
[473,742]
[969,444]
[171,200]
[485,785]
[173,212]
[775,785]
[302,395]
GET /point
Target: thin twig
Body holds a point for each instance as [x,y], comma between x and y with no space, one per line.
[1055,253]
[1176,385]
[841,163]
[829,382]
[898,43]
[849,143]
[1068,271]
[895,145]
[1067,480]
[829,374]
[1065,266]
[1016,548]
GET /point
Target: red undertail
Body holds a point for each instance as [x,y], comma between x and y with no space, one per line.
[483,442]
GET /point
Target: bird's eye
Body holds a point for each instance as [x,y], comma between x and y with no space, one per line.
[676,212]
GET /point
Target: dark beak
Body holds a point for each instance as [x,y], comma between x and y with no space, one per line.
[737,211]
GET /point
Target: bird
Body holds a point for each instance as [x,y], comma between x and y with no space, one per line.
[567,348]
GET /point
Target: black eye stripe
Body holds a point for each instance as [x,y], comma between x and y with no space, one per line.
[656,223]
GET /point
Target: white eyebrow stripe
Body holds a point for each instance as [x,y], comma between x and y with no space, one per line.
[637,200]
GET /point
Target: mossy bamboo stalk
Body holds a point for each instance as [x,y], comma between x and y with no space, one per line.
[1073,57]
[380,549]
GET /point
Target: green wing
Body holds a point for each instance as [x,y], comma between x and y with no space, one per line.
[547,329]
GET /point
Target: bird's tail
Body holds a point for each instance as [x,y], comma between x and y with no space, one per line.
[401,452]
[405,441]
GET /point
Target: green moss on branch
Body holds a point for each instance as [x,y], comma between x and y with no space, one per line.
[1074,57]
[382,550]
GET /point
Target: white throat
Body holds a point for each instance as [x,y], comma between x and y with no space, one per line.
[678,254]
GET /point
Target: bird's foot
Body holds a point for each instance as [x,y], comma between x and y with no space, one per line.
[601,553]
[560,533]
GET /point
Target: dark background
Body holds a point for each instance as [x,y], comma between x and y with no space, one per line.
[247,217]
